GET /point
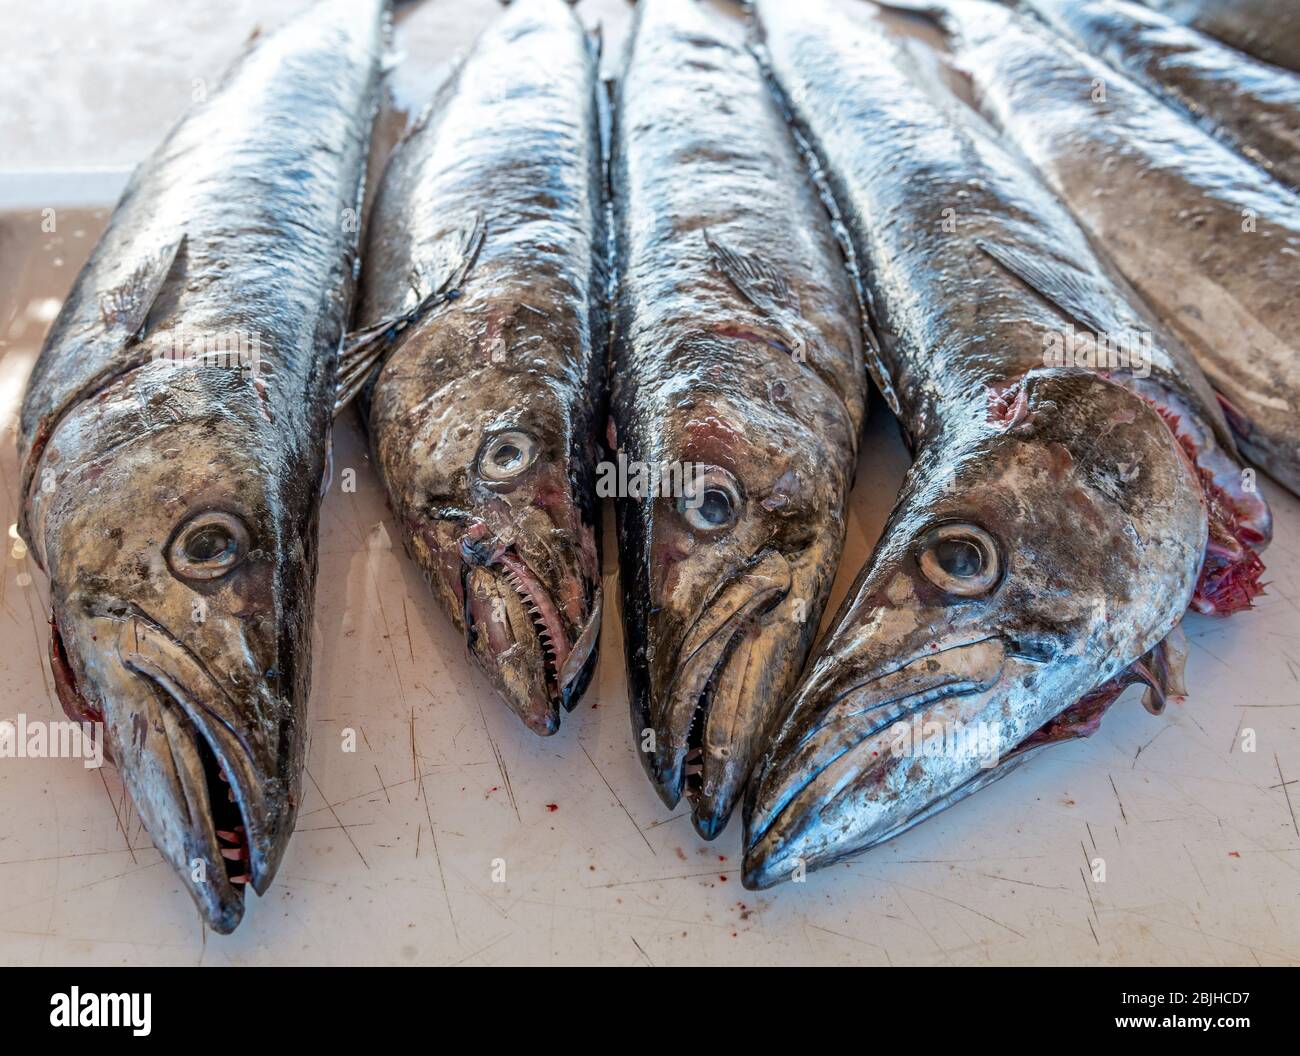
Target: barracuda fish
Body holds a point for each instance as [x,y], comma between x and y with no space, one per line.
[173,442]
[483,296]
[1054,525]
[1207,239]
[1251,106]
[1266,29]
[738,363]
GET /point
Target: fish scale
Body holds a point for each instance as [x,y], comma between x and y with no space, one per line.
[1252,106]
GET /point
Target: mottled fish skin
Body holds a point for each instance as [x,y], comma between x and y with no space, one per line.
[175,504]
[1267,29]
[1209,241]
[738,352]
[1252,106]
[1051,529]
[483,417]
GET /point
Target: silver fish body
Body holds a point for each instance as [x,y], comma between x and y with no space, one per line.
[1052,529]
[482,416]
[737,365]
[1252,106]
[173,440]
[1208,240]
[1267,29]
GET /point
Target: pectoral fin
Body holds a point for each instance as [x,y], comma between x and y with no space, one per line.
[1069,290]
[754,279]
[124,312]
[365,350]
[1162,669]
[125,308]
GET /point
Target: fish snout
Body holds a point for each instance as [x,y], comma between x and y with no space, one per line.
[223,728]
[533,630]
[723,680]
[199,742]
[863,757]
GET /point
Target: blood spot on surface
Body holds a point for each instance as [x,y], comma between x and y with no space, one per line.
[552,807]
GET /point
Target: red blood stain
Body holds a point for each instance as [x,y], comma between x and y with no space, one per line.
[552,807]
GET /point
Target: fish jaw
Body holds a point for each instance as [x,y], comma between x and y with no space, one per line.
[531,615]
[703,725]
[885,752]
[1094,562]
[196,743]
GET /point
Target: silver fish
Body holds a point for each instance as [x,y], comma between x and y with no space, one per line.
[483,296]
[1252,106]
[1053,528]
[738,366]
[1209,241]
[173,442]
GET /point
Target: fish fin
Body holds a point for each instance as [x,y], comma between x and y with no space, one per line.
[1064,286]
[364,350]
[125,308]
[754,279]
[1163,670]
[1160,668]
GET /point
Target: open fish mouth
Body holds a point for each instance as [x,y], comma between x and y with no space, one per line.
[698,724]
[204,783]
[521,637]
[854,760]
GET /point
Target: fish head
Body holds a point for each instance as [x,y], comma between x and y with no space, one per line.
[1031,558]
[181,596]
[494,487]
[732,543]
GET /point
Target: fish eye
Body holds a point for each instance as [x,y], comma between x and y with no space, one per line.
[506,455]
[208,545]
[710,501]
[961,559]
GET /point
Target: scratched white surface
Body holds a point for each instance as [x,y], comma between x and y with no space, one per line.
[392,860]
